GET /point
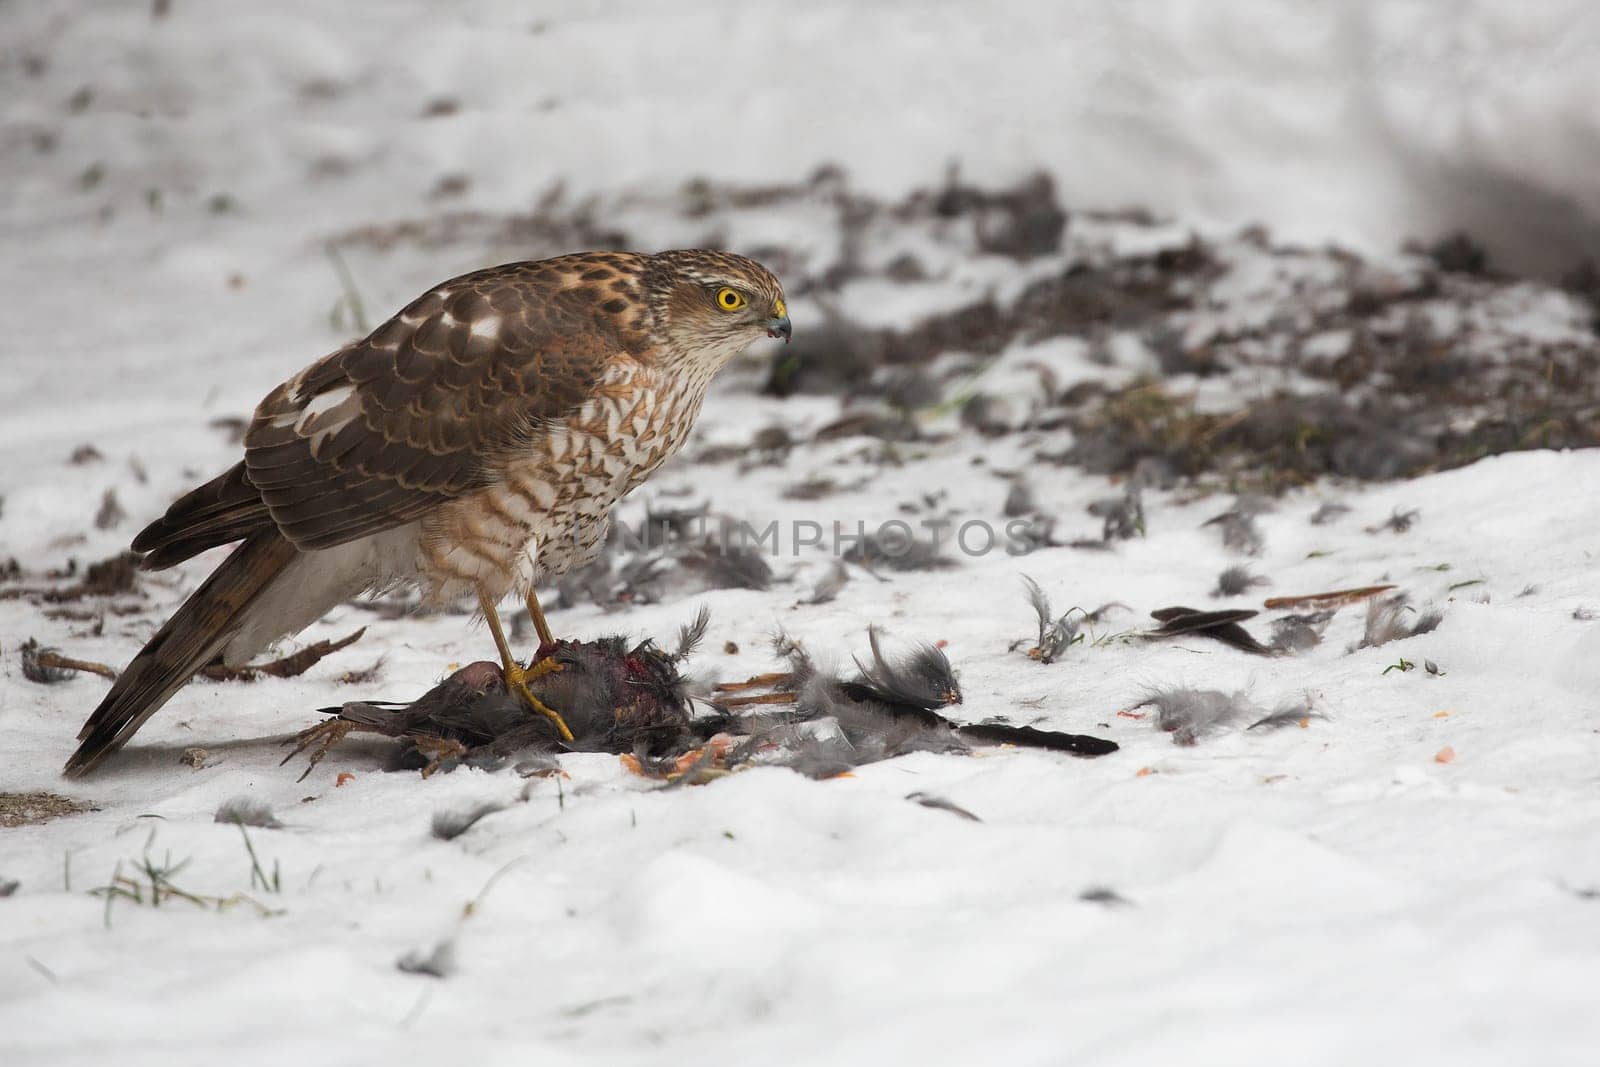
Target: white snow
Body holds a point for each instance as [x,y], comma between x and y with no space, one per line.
[1325,895]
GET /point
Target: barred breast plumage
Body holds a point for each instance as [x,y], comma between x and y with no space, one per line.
[551,511]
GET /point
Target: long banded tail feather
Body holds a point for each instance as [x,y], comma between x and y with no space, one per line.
[190,639]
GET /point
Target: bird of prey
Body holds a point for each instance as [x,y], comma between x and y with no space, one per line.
[470,446]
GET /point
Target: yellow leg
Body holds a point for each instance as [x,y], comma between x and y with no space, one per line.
[516,677]
[540,627]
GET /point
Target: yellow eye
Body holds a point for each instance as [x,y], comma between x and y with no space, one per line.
[729,299]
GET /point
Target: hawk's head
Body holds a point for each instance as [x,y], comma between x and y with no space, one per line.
[710,305]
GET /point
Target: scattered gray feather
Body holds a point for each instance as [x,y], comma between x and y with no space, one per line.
[1056,635]
[1031,534]
[1240,533]
[439,963]
[1099,894]
[1122,517]
[829,585]
[1090,546]
[1328,512]
[1399,522]
[1105,609]
[1387,621]
[1237,580]
[247,811]
[9,886]
[900,554]
[1188,714]
[922,678]
[729,567]
[110,513]
[1289,713]
[449,825]
[930,800]
[538,765]
[692,633]
[1019,501]
[1296,633]
[1584,614]
[790,650]
[680,524]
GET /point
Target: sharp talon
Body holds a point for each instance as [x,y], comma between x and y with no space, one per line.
[517,681]
[548,665]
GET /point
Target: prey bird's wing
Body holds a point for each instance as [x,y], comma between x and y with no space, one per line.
[380,432]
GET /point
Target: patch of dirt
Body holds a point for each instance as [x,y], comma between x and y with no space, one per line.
[30,809]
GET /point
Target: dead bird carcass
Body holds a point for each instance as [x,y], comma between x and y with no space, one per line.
[632,699]
[616,696]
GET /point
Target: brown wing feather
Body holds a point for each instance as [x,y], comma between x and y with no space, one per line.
[378,433]
[224,510]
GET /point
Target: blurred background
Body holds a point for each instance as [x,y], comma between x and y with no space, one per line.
[199,198]
[1361,122]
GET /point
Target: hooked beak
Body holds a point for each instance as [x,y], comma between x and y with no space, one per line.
[778,324]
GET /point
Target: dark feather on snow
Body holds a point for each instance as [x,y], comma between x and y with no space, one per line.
[675,524]
[438,963]
[1239,532]
[997,733]
[1218,625]
[1031,534]
[1019,501]
[1328,512]
[1398,522]
[247,811]
[1100,894]
[449,825]
[1085,545]
[1122,516]
[923,678]
[931,800]
[829,584]
[1237,580]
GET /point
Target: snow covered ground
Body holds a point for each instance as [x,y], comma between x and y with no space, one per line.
[1411,878]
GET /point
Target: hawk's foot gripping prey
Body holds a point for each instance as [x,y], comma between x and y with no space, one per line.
[472,445]
[517,677]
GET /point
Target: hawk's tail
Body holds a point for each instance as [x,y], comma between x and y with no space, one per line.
[190,639]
